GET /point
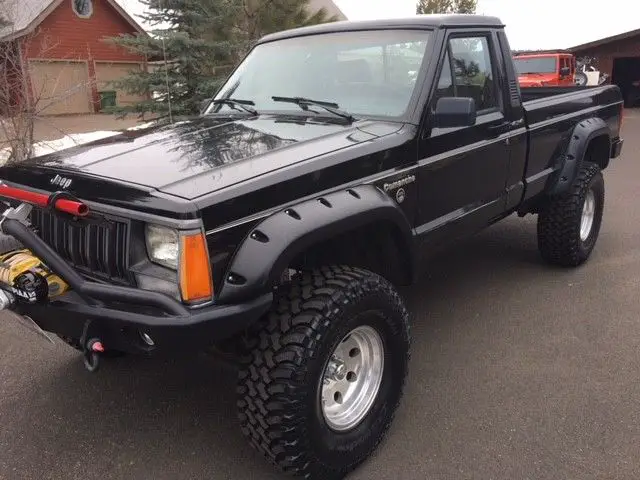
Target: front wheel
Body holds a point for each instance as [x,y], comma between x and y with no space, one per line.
[569,225]
[325,372]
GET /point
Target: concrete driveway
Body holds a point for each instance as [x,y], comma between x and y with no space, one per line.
[519,371]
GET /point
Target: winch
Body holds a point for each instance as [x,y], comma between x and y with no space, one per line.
[24,277]
[28,278]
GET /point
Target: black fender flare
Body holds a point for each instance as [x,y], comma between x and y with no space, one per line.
[272,244]
[572,158]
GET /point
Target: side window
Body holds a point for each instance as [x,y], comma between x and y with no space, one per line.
[473,71]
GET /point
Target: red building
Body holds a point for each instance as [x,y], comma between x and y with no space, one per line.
[61,52]
[618,57]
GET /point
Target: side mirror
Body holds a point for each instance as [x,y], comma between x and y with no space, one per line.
[454,112]
[565,71]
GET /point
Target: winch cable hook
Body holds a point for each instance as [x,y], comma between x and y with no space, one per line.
[91,350]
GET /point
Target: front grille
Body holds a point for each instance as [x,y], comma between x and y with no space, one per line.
[97,250]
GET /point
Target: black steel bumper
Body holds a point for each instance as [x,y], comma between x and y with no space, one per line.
[123,330]
[616,148]
[119,316]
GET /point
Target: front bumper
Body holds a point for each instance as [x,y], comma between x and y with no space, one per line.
[122,317]
[123,330]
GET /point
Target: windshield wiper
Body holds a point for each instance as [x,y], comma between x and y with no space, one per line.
[304,103]
[235,103]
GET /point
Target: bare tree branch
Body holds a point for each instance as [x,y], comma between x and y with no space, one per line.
[24,102]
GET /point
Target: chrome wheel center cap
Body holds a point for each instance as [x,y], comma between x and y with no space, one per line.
[336,370]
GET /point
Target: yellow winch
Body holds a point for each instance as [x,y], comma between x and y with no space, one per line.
[29,278]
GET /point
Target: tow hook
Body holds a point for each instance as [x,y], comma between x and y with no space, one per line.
[93,349]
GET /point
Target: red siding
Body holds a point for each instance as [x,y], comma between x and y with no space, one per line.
[64,35]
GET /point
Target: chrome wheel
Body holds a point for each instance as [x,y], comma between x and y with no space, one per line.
[352,378]
[588,214]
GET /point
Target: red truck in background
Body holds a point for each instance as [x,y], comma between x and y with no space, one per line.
[546,69]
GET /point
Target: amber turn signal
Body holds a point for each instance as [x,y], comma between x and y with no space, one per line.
[195,269]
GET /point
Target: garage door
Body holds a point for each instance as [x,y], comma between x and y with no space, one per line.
[61,87]
[109,72]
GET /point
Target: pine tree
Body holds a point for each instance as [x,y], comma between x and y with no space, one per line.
[466,6]
[201,41]
[446,6]
[187,40]
[267,16]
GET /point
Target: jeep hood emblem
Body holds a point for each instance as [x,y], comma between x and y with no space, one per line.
[61,182]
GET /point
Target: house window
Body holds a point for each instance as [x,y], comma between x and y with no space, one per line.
[82,8]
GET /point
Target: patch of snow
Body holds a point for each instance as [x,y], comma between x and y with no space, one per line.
[50,146]
[142,126]
[68,141]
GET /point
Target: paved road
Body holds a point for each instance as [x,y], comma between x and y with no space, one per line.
[518,371]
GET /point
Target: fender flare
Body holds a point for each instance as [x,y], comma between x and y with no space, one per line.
[571,160]
[273,243]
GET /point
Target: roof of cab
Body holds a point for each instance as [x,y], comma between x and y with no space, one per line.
[415,22]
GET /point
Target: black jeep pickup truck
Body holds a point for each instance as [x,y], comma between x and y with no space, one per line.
[278,224]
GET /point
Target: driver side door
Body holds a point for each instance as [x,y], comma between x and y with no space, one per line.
[462,171]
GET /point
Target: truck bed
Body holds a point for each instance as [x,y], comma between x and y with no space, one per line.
[551,114]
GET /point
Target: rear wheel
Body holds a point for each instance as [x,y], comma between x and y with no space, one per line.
[325,372]
[569,225]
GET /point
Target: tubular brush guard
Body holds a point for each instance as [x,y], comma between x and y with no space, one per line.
[104,316]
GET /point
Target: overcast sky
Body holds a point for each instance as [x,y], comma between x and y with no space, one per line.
[531,24]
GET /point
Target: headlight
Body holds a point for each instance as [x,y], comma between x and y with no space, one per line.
[162,246]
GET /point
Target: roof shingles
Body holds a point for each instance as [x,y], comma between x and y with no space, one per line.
[330,6]
[24,14]
[21,13]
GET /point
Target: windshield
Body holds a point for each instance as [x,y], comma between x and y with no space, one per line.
[371,73]
[536,65]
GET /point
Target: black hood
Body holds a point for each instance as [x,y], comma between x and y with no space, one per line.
[196,157]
